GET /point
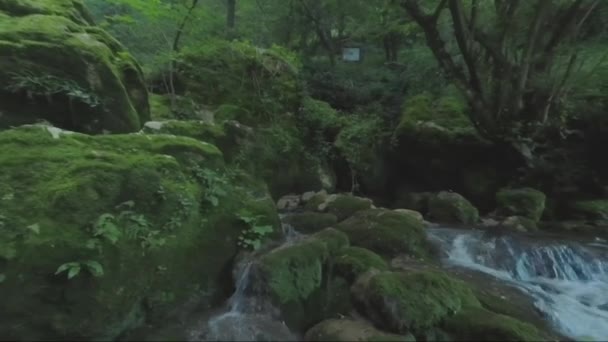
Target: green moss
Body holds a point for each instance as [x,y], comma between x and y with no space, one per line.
[450,207]
[524,202]
[265,83]
[171,244]
[590,209]
[386,232]
[413,302]
[310,222]
[294,273]
[160,107]
[351,330]
[520,223]
[198,130]
[232,112]
[435,121]
[73,9]
[478,324]
[354,261]
[76,76]
[344,206]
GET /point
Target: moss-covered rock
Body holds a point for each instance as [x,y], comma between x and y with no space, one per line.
[342,205]
[519,223]
[590,209]
[297,279]
[435,121]
[418,201]
[348,330]
[351,262]
[478,324]
[411,302]
[57,67]
[260,84]
[413,213]
[134,214]
[526,202]
[450,207]
[72,9]
[386,232]
[311,222]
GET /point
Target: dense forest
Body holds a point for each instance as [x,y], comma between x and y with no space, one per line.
[318,170]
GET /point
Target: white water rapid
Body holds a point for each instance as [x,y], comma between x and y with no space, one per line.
[568,281]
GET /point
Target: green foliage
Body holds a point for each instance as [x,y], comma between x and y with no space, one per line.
[261,80]
[73,268]
[48,85]
[360,140]
[216,184]
[256,232]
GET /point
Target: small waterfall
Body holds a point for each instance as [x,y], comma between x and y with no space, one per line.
[248,315]
[569,281]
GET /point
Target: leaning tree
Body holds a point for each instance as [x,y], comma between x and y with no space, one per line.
[513,60]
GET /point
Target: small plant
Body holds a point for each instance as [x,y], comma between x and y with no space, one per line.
[215,183]
[48,85]
[73,268]
[254,235]
[106,227]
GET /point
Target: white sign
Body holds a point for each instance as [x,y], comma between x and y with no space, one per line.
[351,54]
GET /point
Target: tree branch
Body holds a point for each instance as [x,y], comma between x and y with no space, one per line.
[464,43]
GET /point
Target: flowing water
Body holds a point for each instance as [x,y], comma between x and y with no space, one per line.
[568,280]
[248,315]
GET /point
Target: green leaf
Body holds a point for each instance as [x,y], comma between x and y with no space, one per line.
[262,230]
[73,271]
[94,267]
[35,228]
[65,267]
[2,278]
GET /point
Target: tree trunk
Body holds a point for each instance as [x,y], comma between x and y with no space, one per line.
[231,15]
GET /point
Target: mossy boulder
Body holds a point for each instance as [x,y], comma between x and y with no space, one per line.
[72,9]
[526,202]
[450,207]
[348,330]
[590,209]
[341,205]
[311,222]
[296,278]
[56,66]
[478,324]
[411,302]
[519,223]
[134,214]
[418,201]
[435,121]
[351,262]
[386,232]
[260,84]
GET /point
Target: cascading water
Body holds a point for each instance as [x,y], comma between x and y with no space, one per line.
[568,281]
[248,315]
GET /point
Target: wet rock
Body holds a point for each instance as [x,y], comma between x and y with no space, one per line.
[288,202]
[386,232]
[310,222]
[418,216]
[410,302]
[519,223]
[351,330]
[524,202]
[478,324]
[307,196]
[450,207]
[351,262]
[341,205]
